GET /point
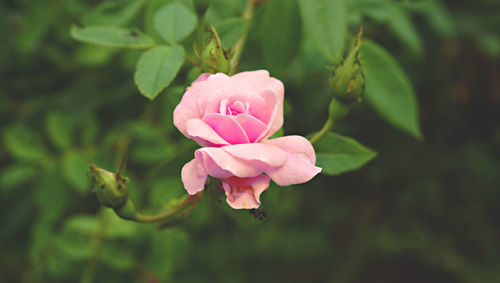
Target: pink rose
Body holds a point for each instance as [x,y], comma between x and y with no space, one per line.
[232,118]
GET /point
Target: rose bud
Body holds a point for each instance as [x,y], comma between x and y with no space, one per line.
[348,76]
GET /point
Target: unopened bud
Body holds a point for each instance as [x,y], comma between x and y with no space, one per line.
[111,189]
[348,76]
[214,59]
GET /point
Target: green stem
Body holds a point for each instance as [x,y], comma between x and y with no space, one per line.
[240,44]
[326,128]
[189,202]
[336,111]
[97,238]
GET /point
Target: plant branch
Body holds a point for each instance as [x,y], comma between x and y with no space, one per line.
[240,44]
[326,128]
[189,201]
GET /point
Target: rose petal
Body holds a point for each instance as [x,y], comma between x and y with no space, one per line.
[299,166]
[244,193]
[220,164]
[227,127]
[293,144]
[186,110]
[267,155]
[203,134]
[193,177]
[253,127]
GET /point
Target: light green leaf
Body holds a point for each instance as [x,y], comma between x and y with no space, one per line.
[112,37]
[113,13]
[279,33]
[21,142]
[75,166]
[337,154]
[156,68]
[174,22]
[325,24]
[230,30]
[389,90]
[59,129]
[84,225]
[15,175]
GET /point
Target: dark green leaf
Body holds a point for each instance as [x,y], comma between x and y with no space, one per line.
[174,22]
[325,24]
[157,68]
[389,90]
[279,33]
[21,142]
[337,154]
[119,258]
[112,37]
[169,250]
[14,175]
[230,31]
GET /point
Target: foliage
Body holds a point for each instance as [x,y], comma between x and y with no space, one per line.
[422,210]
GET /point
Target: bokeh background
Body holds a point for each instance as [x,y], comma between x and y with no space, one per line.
[423,211]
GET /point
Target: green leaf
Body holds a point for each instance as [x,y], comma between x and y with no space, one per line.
[15,175]
[75,248]
[337,154]
[152,153]
[113,13]
[112,37]
[75,166]
[21,142]
[51,195]
[156,68]
[119,258]
[59,129]
[230,30]
[325,24]
[279,33]
[170,247]
[174,22]
[89,130]
[84,225]
[389,90]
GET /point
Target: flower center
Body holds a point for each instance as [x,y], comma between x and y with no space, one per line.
[234,108]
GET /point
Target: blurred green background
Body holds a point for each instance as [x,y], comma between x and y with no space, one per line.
[422,211]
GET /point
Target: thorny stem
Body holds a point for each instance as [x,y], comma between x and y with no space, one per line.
[240,44]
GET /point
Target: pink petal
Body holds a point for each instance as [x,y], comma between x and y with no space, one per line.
[263,155]
[220,164]
[193,177]
[252,126]
[203,134]
[186,110]
[299,166]
[244,193]
[201,78]
[226,127]
[294,144]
